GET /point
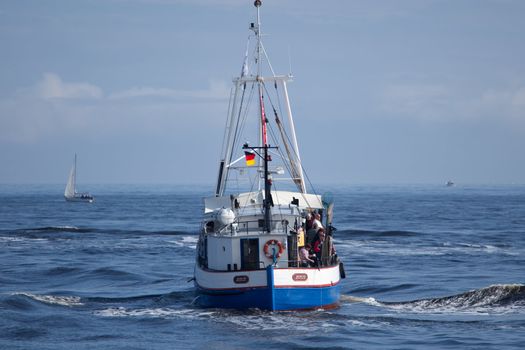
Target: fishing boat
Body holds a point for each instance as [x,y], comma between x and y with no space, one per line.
[70,193]
[249,252]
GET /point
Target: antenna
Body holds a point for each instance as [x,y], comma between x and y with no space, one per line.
[290,60]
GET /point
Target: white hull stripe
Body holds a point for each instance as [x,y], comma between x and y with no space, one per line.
[283,278]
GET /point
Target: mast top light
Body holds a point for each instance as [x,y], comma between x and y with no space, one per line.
[257,3]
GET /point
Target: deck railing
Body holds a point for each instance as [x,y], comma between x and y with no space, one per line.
[255,226]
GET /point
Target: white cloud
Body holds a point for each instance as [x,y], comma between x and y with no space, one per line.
[52,108]
[216,90]
[518,99]
[502,103]
[442,102]
[416,100]
[52,86]
[235,3]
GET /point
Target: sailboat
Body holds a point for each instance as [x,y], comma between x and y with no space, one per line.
[250,249]
[70,193]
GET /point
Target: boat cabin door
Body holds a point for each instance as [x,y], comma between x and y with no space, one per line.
[249,253]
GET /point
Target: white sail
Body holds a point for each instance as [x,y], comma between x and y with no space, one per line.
[70,193]
[71,182]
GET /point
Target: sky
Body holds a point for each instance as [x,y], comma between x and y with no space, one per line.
[384,92]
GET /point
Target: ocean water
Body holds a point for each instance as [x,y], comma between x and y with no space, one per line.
[427,267]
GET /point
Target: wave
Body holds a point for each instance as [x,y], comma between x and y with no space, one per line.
[54,229]
[21,300]
[186,241]
[378,289]
[162,312]
[168,297]
[36,232]
[52,299]
[170,305]
[495,295]
[249,319]
[10,239]
[355,299]
[384,247]
[173,233]
[501,298]
[62,270]
[115,300]
[391,233]
[146,232]
[75,229]
[114,274]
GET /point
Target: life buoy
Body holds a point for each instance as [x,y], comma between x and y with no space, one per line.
[273,242]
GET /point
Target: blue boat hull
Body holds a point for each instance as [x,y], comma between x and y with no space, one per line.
[270,297]
[278,299]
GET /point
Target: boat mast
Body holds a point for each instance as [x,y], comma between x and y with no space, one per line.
[75,176]
[264,138]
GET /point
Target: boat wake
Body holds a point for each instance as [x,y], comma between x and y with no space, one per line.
[160,312]
[501,298]
[157,305]
[505,298]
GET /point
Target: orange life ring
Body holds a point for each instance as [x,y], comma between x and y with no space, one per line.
[273,242]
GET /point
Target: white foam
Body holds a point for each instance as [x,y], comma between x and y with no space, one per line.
[296,322]
[352,299]
[375,324]
[424,308]
[190,239]
[259,321]
[21,239]
[123,312]
[269,321]
[152,312]
[53,299]
[186,241]
[11,239]
[65,227]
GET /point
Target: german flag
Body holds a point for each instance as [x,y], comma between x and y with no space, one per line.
[250,158]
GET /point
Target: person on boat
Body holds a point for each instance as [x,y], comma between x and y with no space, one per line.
[317,222]
[311,232]
[309,221]
[318,248]
[318,244]
[304,256]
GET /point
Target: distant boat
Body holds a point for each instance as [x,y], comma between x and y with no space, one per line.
[450,183]
[71,194]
